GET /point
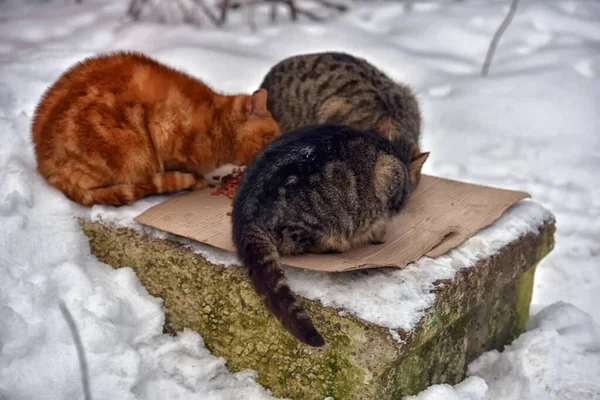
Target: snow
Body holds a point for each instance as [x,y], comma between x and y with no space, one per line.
[558,358]
[531,125]
[44,257]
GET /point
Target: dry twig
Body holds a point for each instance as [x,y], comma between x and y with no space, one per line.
[135,8]
[79,346]
[224,7]
[337,7]
[494,43]
[219,15]
[213,18]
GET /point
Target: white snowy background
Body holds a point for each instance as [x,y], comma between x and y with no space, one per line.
[532,125]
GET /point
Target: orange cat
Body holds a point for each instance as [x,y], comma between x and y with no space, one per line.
[117,127]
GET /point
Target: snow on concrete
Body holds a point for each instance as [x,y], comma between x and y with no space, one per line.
[387,297]
[398,298]
[531,125]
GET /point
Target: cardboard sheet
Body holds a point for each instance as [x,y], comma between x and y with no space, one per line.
[440,215]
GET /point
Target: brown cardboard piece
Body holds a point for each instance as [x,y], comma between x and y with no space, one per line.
[440,215]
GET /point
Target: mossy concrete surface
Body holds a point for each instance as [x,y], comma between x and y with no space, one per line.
[481,308]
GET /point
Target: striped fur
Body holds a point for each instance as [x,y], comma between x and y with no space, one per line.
[120,126]
[338,88]
[318,189]
[117,195]
[261,257]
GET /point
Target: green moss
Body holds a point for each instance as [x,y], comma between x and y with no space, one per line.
[524,292]
[450,337]
[443,358]
[220,303]
[524,286]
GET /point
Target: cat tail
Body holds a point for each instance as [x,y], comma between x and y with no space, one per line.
[261,258]
[123,194]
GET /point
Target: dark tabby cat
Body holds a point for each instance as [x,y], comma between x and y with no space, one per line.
[342,89]
[319,189]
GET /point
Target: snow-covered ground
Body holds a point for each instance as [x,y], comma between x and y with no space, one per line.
[531,125]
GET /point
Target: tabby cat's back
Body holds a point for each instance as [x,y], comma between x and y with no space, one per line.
[116,127]
[339,88]
[319,189]
[334,87]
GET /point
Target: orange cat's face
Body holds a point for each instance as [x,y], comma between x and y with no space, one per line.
[258,129]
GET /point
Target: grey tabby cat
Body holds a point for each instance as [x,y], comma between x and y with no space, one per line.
[337,88]
[319,189]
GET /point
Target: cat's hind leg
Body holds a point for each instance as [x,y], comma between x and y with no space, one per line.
[378,233]
[127,193]
[201,183]
[173,181]
[330,244]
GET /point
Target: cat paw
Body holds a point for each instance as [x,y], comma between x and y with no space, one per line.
[200,184]
[378,234]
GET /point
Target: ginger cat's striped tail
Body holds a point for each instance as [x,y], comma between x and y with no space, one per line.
[261,258]
[123,194]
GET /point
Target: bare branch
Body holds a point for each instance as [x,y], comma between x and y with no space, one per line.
[494,43]
[79,346]
[188,15]
[135,8]
[251,20]
[213,18]
[273,13]
[191,10]
[293,9]
[337,7]
[309,15]
[224,8]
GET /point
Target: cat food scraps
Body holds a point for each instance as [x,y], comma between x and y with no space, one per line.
[228,185]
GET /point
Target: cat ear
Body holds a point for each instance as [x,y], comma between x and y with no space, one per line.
[386,128]
[257,103]
[417,162]
[415,168]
